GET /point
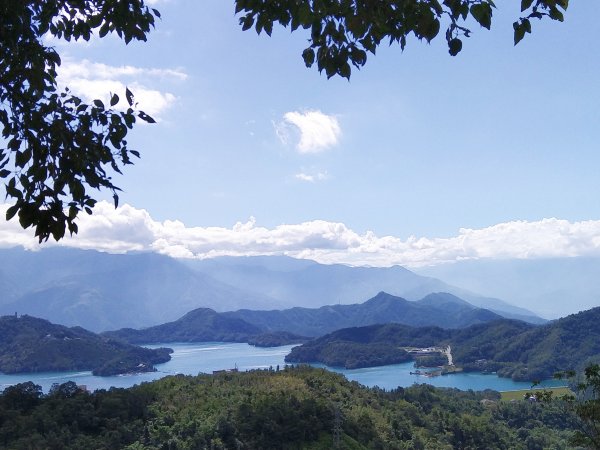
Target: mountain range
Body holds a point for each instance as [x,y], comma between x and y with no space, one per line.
[441,309]
[101,291]
[552,287]
[203,324]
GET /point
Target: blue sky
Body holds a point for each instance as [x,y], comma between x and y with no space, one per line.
[418,143]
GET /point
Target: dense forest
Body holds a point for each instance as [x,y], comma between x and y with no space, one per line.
[29,344]
[293,408]
[281,327]
[207,325]
[511,348]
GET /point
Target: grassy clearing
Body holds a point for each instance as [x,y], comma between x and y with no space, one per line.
[520,395]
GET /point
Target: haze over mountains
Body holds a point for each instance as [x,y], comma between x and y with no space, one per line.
[101,291]
[203,324]
[552,287]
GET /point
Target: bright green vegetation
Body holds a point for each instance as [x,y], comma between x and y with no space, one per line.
[343,348]
[520,395]
[435,360]
[28,344]
[511,348]
[295,408]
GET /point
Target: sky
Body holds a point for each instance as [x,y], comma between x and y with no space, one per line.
[420,158]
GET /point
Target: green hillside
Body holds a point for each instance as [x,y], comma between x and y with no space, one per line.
[511,348]
[28,344]
[300,408]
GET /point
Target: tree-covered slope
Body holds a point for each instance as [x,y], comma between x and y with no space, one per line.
[568,343]
[511,348]
[206,325]
[29,344]
[199,325]
[295,408]
[439,309]
[289,326]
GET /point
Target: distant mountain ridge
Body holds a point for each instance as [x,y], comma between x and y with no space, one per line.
[541,284]
[310,284]
[441,309]
[101,291]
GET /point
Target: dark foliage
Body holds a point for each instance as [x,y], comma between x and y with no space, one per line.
[512,348]
[28,344]
[55,147]
[342,33]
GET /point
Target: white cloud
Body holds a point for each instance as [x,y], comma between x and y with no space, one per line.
[92,80]
[311,178]
[130,229]
[317,131]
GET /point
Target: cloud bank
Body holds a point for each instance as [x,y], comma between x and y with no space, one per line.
[318,131]
[92,80]
[130,229]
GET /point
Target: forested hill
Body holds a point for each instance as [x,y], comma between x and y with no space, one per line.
[29,344]
[441,309]
[206,325]
[299,408]
[288,326]
[511,348]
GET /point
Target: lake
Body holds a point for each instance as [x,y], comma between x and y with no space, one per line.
[191,359]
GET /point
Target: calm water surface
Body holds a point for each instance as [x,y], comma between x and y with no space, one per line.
[191,359]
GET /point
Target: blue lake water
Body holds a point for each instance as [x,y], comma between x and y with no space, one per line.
[191,359]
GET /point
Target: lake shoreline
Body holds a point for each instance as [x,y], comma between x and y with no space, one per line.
[206,357]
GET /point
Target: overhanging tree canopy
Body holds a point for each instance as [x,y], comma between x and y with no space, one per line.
[342,32]
[54,146]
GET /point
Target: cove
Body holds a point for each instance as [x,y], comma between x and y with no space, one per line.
[194,358]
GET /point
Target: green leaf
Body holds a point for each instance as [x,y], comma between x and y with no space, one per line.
[519,32]
[114,100]
[482,13]
[556,14]
[10,212]
[309,57]
[129,96]
[454,46]
[145,117]
[525,4]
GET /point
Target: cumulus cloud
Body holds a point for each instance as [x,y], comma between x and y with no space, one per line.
[130,229]
[92,80]
[317,131]
[311,177]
